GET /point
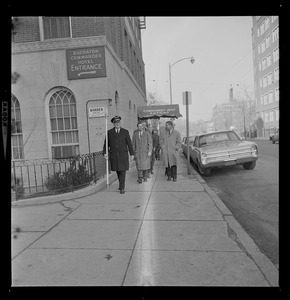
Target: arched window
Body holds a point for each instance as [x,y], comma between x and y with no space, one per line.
[16,130]
[63,123]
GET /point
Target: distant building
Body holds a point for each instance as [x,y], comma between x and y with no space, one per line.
[265,41]
[63,70]
[228,116]
[235,115]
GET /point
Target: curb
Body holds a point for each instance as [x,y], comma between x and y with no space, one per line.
[267,268]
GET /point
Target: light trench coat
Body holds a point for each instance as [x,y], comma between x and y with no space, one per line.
[170,144]
[141,147]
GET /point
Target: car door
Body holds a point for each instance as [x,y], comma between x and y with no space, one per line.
[194,150]
[183,144]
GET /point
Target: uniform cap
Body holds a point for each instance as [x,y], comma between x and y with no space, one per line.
[116,119]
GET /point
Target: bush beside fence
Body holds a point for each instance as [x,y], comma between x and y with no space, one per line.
[41,177]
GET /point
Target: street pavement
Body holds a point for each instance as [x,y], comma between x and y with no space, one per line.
[158,233]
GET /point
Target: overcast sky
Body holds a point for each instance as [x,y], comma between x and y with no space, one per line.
[221,47]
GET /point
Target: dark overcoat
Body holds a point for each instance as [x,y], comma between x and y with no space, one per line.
[155,140]
[119,144]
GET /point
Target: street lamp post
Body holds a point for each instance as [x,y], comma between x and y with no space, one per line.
[192,60]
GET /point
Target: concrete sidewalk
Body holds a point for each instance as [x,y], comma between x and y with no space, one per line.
[158,233]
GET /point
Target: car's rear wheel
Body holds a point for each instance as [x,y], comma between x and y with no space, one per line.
[203,171]
[249,165]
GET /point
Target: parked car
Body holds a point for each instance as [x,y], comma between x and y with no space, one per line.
[272,134]
[184,144]
[275,138]
[222,148]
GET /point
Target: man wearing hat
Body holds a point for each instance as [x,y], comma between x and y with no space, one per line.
[142,146]
[119,144]
[170,144]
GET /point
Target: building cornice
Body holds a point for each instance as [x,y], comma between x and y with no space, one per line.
[57,44]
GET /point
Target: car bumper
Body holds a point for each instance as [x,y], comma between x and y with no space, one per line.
[230,162]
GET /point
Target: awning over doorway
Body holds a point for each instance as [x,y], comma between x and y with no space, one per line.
[158,111]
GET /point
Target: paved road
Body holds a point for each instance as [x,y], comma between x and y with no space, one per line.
[252,197]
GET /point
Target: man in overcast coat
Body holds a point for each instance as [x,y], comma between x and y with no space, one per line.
[170,144]
[119,144]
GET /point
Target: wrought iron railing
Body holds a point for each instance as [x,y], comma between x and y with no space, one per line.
[41,177]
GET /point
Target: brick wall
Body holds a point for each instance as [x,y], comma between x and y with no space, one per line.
[26,30]
[113,34]
[87,26]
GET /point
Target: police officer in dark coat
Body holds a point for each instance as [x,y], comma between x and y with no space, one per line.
[119,143]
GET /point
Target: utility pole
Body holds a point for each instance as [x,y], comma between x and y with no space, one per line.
[186,102]
[244,119]
[192,60]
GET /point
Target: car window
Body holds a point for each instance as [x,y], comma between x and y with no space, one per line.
[217,137]
[191,140]
[233,136]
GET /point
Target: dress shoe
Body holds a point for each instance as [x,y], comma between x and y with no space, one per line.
[139,180]
[152,172]
[174,179]
[122,191]
[169,179]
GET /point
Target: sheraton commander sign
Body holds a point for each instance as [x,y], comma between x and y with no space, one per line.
[85,63]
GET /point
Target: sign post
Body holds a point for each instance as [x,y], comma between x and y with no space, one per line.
[187,101]
[107,156]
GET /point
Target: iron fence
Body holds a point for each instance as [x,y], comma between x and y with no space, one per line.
[41,177]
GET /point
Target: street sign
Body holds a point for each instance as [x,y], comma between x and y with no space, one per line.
[158,111]
[85,63]
[186,98]
[96,112]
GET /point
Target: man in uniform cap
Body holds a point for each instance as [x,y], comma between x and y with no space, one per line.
[119,144]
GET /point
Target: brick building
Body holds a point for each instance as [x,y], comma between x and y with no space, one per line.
[265,41]
[67,67]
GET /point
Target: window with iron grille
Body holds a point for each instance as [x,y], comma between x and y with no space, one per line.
[276,94]
[56,27]
[16,130]
[275,33]
[63,123]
